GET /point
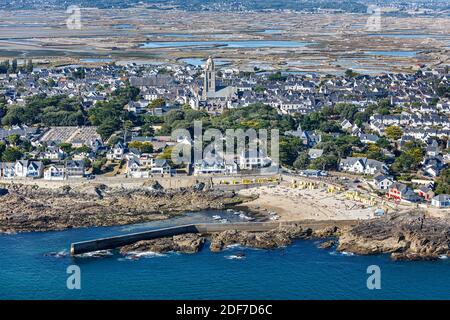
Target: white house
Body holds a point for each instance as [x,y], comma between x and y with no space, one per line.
[441,201]
[315,153]
[117,152]
[214,166]
[55,173]
[160,166]
[135,169]
[75,168]
[382,182]
[368,138]
[28,169]
[7,170]
[53,153]
[362,165]
[252,159]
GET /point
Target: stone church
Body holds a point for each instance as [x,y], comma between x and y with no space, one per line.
[213,97]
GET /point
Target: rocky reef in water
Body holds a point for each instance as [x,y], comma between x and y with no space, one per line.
[275,238]
[28,208]
[185,243]
[405,236]
[191,243]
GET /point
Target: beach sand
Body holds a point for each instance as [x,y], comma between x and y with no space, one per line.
[307,204]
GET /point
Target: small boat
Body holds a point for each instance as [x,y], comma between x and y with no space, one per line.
[236,213]
[243,216]
[223,221]
[230,210]
[216,217]
[240,254]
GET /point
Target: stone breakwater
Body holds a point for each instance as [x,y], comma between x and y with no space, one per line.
[27,208]
[405,236]
[191,243]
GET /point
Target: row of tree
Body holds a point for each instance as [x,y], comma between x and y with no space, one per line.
[13,67]
[49,111]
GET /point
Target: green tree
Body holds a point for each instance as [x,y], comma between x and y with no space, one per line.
[11,154]
[443,182]
[349,73]
[166,154]
[108,127]
[302,161]
[145,147]
[393,132]
[3,107]
[83,149]
[97,166]
[4,67]
[13,66]
[66,147]
[127,126]
[14,116]
[79,73]
[375,152]
[443,91]
[384,107]
[289,150]
[277,76]
[410,159]
[157,103]
[13,139]
[383,143]
[127,93]
[147,130]
[29,66]
[2,148]
[327,162]
[51,111]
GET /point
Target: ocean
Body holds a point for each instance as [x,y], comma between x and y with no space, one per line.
[34,266]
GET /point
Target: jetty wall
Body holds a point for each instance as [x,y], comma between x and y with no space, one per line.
[126,239]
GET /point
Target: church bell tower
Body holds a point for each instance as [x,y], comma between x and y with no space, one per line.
[209,85]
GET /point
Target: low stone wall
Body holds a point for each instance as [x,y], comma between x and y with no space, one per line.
[122,240]
[121,181]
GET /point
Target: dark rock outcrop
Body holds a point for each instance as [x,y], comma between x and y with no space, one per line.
[156,186]
[327,244]
[275,238]
[328,232]
[186,243]
[408,236]
[25,208]
[199,186]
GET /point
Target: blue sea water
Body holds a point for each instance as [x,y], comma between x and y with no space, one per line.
[96,60]
[393,53]
[299,271]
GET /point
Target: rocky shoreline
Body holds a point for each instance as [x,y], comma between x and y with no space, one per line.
[411,235]
[192,243]
[405,236]
[27,208]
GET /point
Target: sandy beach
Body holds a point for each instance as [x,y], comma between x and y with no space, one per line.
[306,204]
